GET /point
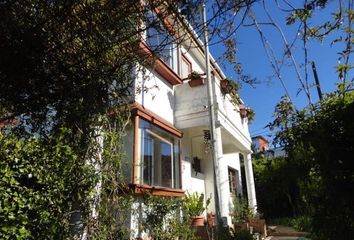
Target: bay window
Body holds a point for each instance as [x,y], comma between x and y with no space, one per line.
[159,157]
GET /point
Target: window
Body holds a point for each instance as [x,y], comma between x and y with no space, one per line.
[233,180]
[186,67]
[196,164]
[159,157]
[160,41]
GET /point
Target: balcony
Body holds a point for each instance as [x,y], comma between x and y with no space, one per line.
[191,111]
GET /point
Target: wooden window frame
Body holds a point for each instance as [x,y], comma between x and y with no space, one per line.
[140,189]
[184,58]
[138,112]
[158,65]
[233,182]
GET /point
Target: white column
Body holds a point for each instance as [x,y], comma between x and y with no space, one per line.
[221,176]
[251,191]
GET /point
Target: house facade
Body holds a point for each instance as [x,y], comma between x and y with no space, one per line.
[169,141]
[260,144]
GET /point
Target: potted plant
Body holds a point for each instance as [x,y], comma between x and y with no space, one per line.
[196,79]
[193,206]
[228,86]
[247,112]
[241,213]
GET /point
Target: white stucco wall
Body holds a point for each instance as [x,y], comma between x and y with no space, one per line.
[232,161]
[155,94]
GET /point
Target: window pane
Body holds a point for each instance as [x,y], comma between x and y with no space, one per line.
[160,41]
[185,68]
[166,165]
[233,180]
[148,146]
[160,164]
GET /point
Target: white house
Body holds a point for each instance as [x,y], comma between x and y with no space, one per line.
[169,140]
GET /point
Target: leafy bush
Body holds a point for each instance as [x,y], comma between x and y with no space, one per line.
[38,181]
[163,219]
[193,204]
[242,235]
[301,223]
[320,140]
[240,211]
[230,234]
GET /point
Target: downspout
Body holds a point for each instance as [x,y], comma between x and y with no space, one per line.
[212,119]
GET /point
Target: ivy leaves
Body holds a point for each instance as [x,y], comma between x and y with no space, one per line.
[38,177]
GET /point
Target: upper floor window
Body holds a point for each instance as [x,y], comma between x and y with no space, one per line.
[160,159]
[160,41]
[186,67]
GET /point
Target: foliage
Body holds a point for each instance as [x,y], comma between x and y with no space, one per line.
[324,154]
[300,223]
[277,182]
[251,114]
[247,112]
[163,220]
[240,211]
[242,235]
[193,204]
[68,65]
[38,179]
[232,88]
[230,234]
[65,63]
[194,75]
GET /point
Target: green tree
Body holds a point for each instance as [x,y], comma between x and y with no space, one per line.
[277,182]
[70,65]
[321,140]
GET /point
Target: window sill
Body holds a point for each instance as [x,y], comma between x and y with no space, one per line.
[158,65]
[198,175]
[157,191]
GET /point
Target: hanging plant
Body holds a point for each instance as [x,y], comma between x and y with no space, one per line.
[247,112]
[228,86]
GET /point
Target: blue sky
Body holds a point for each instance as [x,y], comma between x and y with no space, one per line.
[250,52]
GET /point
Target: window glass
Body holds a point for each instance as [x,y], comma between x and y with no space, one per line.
[159,157]
[186,68]
[160,41]
[233,180]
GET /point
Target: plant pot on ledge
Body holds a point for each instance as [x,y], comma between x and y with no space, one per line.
[225,86]
[196,79]
[243,111]
[247,112]
[197,221]
[193,207]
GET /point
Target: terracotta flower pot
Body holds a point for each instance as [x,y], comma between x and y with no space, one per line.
[243,111]
[211,219]
[197,221]
[197,82]
[241,226]
[225,86]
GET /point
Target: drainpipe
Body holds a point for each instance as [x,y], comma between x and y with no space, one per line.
[213,131]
